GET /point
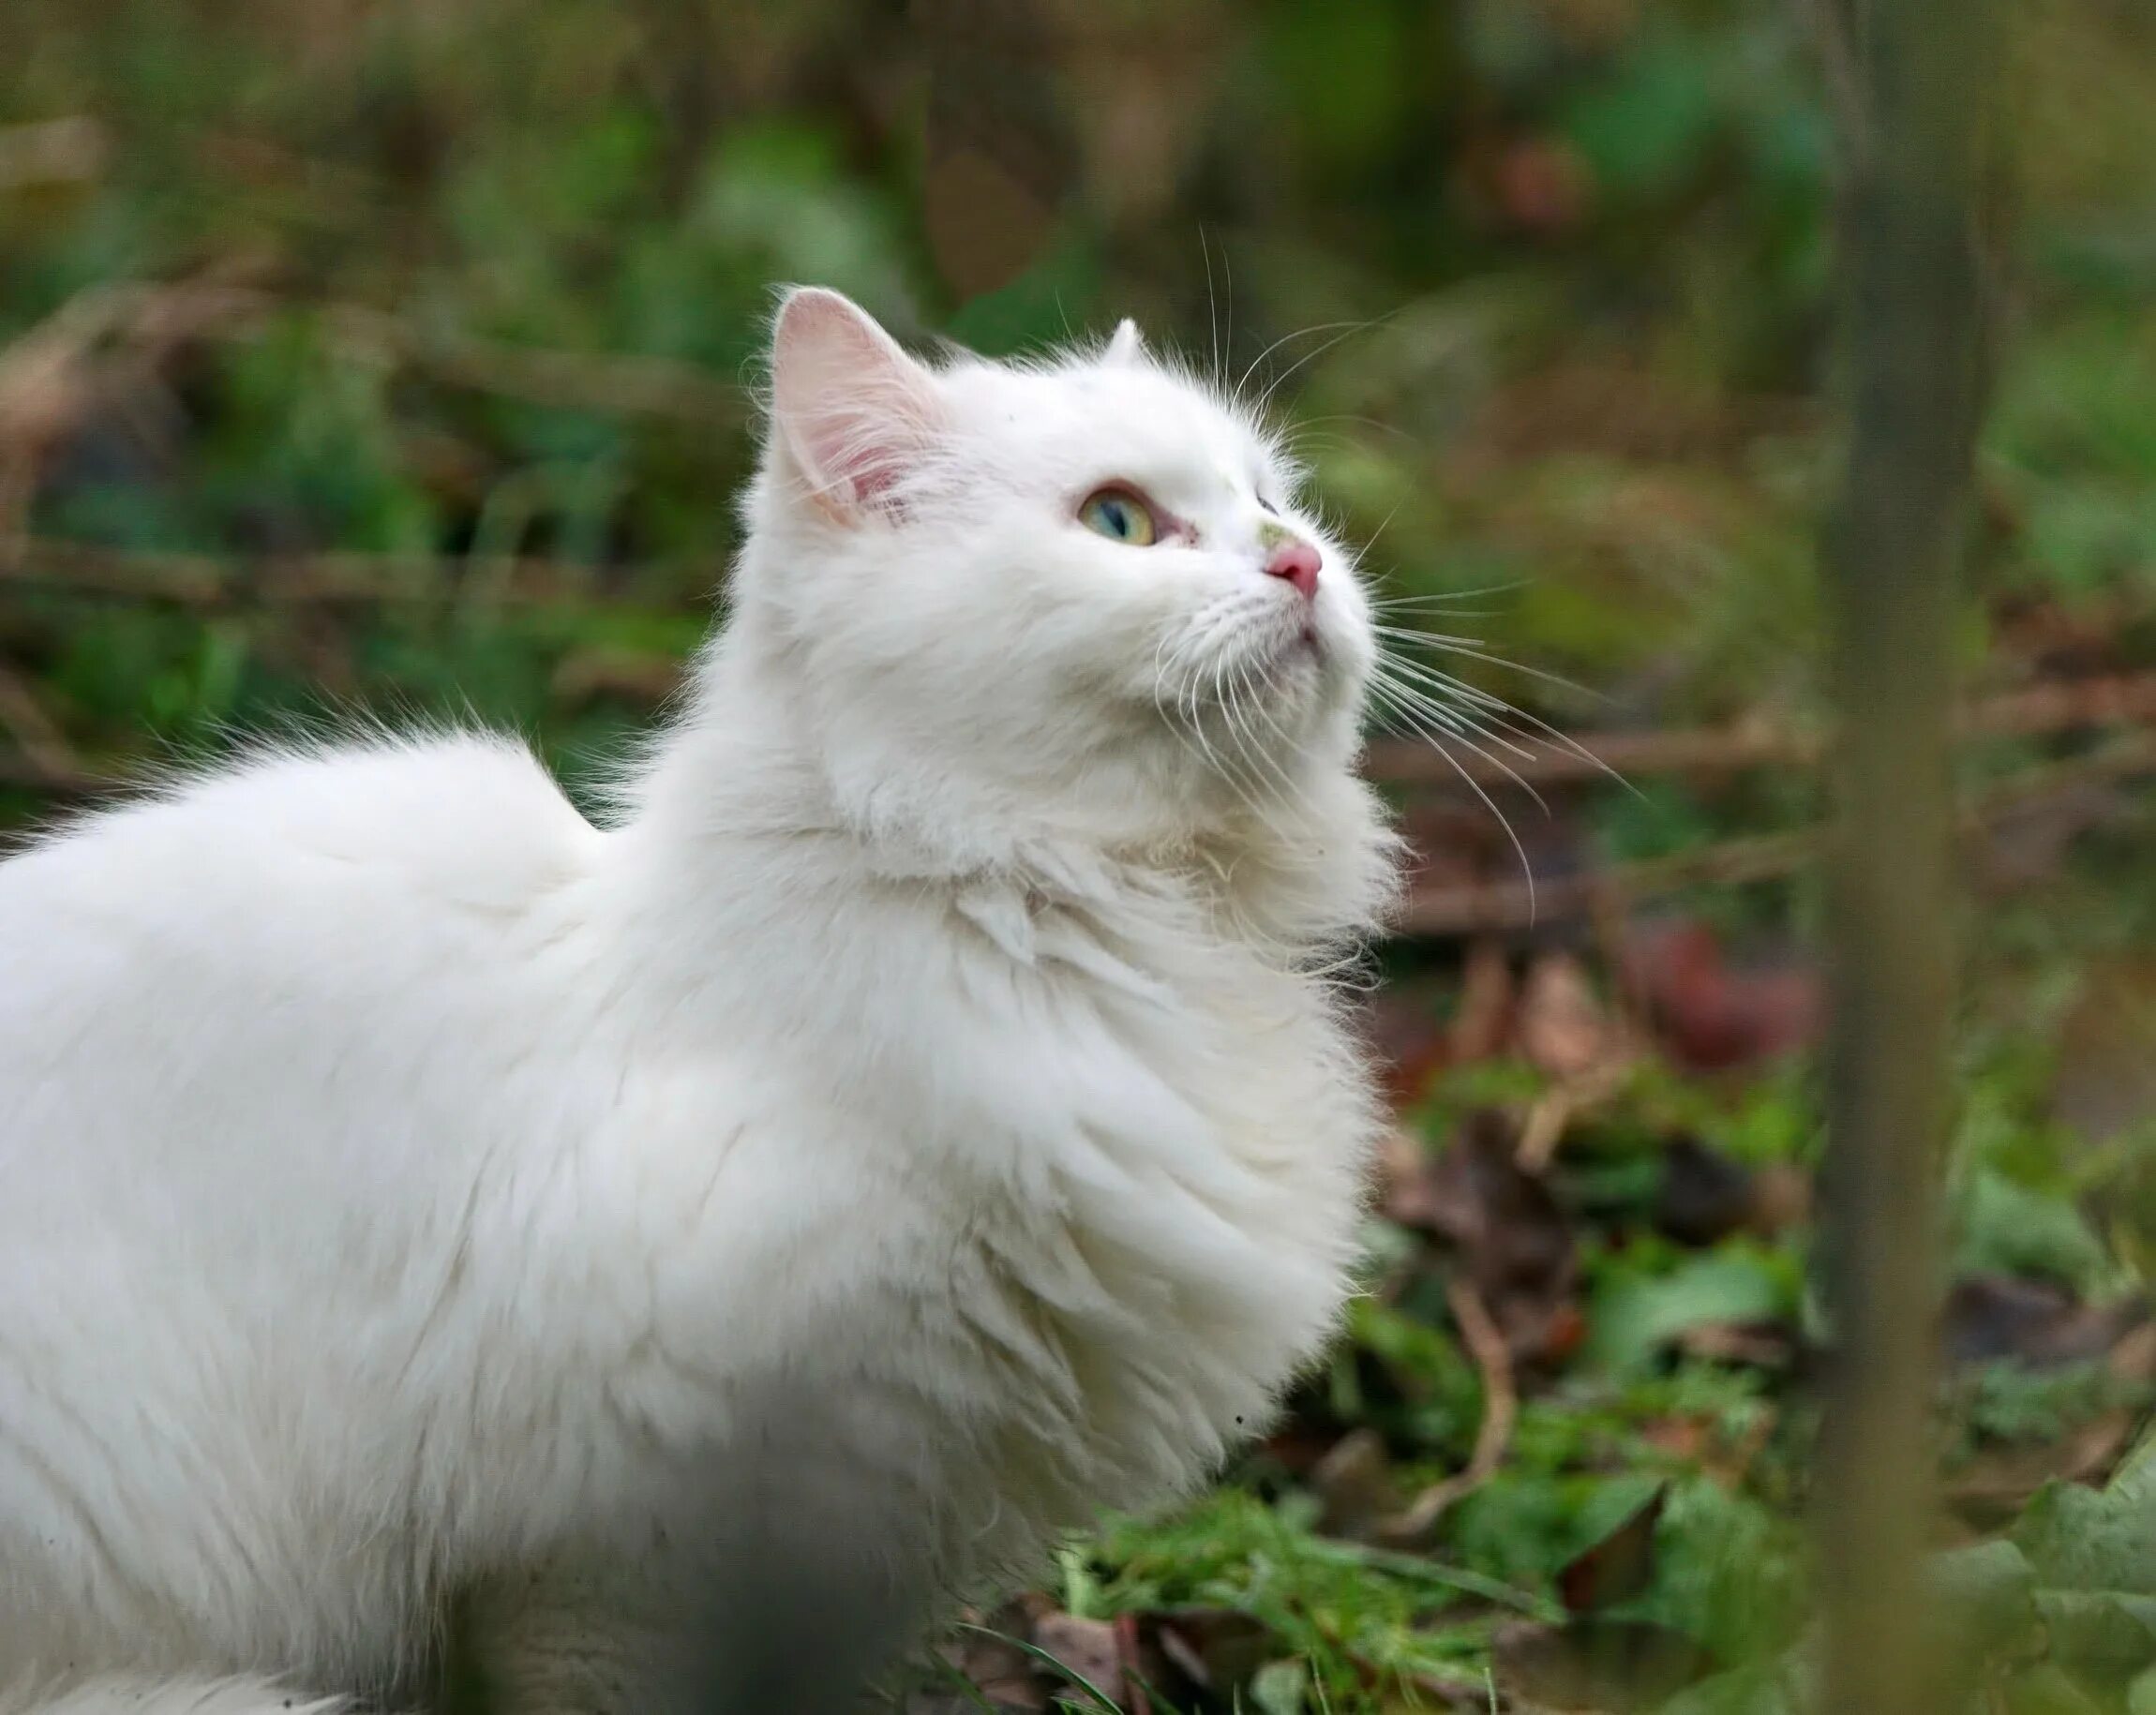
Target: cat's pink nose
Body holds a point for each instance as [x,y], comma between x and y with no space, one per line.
[1298,562]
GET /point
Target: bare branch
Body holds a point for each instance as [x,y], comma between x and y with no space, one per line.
[214,581]
[2057,706]
[1499,905]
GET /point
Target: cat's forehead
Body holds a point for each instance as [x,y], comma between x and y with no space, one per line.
[1138,418]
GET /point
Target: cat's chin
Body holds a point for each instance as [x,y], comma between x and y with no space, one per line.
[1303,668]
[1289,651]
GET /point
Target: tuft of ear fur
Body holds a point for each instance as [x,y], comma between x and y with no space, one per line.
[853,409]
[1127,345]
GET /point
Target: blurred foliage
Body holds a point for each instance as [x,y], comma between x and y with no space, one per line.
[1547,285]
[439,379]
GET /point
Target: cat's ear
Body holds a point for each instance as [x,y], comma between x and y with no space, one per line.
[1127,345]
[855,411]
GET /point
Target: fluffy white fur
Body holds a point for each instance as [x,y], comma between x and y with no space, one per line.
[660,1259]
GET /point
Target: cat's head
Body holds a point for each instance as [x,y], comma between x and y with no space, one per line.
[1082,593]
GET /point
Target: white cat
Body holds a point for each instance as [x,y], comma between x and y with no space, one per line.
[665,1258]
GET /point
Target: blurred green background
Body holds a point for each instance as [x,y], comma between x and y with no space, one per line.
[403,355]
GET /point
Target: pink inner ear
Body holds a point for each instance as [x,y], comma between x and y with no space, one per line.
[874,482]
[857,412]
[863,462]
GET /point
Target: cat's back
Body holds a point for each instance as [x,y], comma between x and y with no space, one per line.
[470,817]
[259,1036]
[285,915]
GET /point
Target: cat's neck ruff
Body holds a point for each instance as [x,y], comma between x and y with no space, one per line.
[1297,875]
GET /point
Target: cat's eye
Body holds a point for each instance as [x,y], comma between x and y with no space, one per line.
[1266,506]
[1121,516]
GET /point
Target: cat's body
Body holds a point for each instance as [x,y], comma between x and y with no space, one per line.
[678,1252]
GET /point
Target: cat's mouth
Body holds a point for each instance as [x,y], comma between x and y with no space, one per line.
[1269,665]
[1299,643]
[1290,653]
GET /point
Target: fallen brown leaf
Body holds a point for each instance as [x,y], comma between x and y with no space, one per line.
[2037,1323]
[1705,1197]
[1088,1647]
[1751,1345]
[1510,1239]
[1615,1666]
[1353,1485]
[1618,1568]
[1994,1487]
[1482,1023]
[994,1666]
[1709,1015]
[1209,1651]
[2106,1079]
[1563,1027]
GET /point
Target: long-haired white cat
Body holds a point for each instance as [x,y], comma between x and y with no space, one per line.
[654,1262]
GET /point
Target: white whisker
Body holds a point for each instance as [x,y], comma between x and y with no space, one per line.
[1409,700]
[1212,308]
[1273,386]
[1408,602]
[1488,803]
[1472,647]
[1301,332]
[1515,719]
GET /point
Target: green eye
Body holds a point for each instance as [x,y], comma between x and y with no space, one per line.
[1121,516]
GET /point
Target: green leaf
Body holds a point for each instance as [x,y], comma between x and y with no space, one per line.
[1780,1686]
[2104,1633]
[1643,129]
[2047,1691]
[2094,1555]
[2010,1229]
[1280,1688]
[2084,1539]
[1986,1595]
[1634,1316]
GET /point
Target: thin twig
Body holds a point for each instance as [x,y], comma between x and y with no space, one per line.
[610,384]
[1490,907]
[1413,762]
[1485,1343]
[67,151]
[1498,905]
[24,772]
[1551,1113]
[2053,707]
[213,581]
[24,717]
